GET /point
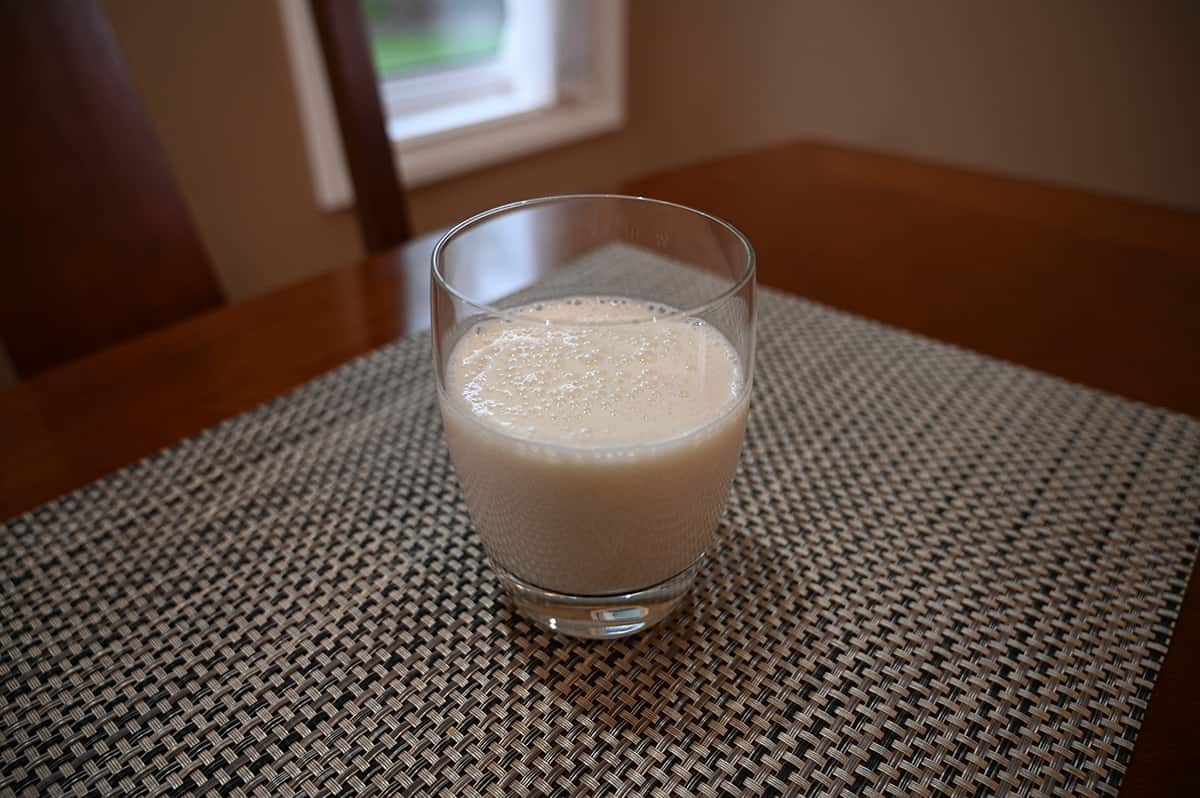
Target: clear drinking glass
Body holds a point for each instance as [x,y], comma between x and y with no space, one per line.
[595,356]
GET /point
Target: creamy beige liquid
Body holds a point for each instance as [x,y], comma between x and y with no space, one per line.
[596,454]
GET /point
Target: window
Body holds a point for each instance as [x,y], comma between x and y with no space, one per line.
[467,83]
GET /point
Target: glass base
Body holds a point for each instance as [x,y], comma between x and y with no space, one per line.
[600,617]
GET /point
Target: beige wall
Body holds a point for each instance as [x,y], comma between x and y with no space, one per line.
[1100,95]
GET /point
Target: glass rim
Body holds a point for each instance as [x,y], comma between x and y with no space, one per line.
[737,285]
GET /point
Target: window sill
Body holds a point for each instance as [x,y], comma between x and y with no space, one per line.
[500,129]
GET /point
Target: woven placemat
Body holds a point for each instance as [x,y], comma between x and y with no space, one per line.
[939,575]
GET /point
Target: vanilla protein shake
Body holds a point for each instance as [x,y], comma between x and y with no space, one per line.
[595,439]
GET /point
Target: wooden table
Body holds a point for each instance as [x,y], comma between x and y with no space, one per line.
[1097,290]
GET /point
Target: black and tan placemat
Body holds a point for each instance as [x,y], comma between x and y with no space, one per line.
[939,575]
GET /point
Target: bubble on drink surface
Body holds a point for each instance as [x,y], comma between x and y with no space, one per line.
[604,384]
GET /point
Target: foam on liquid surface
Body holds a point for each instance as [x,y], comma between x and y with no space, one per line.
[598,385]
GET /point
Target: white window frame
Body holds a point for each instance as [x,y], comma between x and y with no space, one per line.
[491,121]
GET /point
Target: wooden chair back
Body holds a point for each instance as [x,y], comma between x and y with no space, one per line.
[97,244]
[379,200]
